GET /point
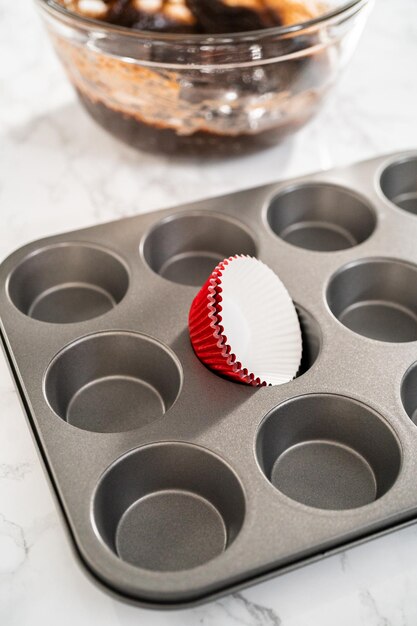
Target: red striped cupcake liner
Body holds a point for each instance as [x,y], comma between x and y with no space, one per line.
[208,335]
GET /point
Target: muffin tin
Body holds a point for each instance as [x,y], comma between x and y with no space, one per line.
[176,484]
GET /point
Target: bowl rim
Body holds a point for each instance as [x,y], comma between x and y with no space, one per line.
[346,9]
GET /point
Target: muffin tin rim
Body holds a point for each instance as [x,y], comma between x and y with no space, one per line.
[412,366]
[284,187]
[398,158]
[164,444]
[355,400]
[109,332]
[171,217]
[29,251]
[354,263]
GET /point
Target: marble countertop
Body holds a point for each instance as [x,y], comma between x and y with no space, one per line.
[58,171]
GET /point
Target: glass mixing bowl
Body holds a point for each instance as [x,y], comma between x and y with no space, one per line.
[204,94]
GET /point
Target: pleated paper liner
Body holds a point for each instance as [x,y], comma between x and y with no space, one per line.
[244,325]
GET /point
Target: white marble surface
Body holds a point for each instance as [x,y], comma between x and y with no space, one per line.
[59,171]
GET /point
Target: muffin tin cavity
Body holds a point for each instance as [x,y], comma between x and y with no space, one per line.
[328,452]
[68,283]
[173,507]
[185,248]
[321,217]
[409,392]
[376,298]
[113,382]
[399,184]
[311,335]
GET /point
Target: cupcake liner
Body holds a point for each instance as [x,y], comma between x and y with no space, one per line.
[244,325]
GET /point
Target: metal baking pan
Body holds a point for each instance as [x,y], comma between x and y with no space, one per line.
[178,485]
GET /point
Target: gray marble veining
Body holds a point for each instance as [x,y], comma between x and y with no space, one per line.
[59,171]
